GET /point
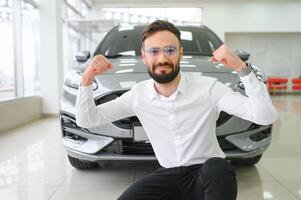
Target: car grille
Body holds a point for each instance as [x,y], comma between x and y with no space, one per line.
[130,147]
[141,148]
[137,148]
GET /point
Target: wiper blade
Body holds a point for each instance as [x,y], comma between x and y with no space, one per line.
[117,56]
[114,56]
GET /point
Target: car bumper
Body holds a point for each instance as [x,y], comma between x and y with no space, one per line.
[90,146]
[234,154]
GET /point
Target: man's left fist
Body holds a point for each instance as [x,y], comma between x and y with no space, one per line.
[227,57]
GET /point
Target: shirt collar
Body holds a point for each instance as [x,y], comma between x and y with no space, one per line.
[181,87]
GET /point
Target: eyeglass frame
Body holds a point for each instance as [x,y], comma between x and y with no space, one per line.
[148,51]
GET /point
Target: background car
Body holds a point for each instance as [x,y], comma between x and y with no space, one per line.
[242,141]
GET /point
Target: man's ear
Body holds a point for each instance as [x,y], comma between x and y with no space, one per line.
[181,53]
[143,56]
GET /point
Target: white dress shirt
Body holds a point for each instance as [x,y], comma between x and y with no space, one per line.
[181,128]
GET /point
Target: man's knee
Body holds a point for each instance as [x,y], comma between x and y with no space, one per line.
[219,179]
[218,167]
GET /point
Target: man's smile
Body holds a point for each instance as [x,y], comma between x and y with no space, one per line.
[163,68]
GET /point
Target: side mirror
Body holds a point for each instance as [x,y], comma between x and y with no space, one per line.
[82,56]
[244,56]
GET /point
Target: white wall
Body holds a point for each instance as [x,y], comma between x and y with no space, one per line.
[270,24]
[20,111]
[252,17]
[51,54]
[277,54]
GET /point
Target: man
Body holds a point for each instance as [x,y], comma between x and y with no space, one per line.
[178,112]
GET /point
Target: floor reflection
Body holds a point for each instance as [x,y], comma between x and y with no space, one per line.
[33,164]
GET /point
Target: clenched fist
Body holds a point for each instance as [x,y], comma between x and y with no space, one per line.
[98,65]
[227,57]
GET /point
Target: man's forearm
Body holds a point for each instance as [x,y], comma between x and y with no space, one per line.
[89,115]
[261,106]
[85,108]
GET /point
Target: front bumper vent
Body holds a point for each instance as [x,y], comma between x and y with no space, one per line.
[261,135]
[137,148]
[225,145]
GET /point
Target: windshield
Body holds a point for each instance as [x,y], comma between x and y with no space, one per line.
[126,42]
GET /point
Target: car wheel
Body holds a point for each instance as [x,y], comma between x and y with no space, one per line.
[80,164]
[248,161]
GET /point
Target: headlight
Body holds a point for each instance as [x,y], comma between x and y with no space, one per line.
[257,72]
[73,80]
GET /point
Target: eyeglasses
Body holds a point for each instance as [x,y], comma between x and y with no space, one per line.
[168,51]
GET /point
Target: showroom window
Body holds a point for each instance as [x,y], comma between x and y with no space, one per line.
[19,69]
[7,78]
[30,44]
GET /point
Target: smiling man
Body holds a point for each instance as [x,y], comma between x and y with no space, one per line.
[178,112]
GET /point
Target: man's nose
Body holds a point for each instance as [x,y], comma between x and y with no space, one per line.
[162,57]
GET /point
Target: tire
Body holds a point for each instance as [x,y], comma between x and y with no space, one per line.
[80,164]
[247,162]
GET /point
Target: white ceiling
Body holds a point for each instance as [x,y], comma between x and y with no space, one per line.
[182,1]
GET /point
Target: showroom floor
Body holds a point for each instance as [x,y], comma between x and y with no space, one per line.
[33,164]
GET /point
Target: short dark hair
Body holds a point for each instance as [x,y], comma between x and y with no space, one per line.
[159,25]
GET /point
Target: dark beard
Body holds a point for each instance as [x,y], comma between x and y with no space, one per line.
[164,77]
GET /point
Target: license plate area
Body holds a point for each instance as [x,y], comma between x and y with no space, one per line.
[139,133]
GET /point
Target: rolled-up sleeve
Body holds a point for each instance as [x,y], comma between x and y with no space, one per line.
[89,115]
[256,106]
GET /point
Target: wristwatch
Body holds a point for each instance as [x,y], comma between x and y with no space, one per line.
[245,70]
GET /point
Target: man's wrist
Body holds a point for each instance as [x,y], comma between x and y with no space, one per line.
[243,65]
[244,70]
[86,81]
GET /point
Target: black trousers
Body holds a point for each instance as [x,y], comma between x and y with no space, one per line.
[213,180]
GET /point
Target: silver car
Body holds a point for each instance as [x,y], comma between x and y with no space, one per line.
[242,141]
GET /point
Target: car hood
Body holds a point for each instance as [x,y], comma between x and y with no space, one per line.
[127,71]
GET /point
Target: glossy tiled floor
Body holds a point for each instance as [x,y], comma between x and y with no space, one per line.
[33,165]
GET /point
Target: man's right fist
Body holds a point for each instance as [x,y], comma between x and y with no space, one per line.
[98,65]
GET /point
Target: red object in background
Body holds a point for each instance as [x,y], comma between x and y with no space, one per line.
[277,84]
[296,83]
